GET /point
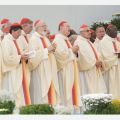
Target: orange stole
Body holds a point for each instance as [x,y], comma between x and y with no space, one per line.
[51,91]
[95,53]
[24,81]
[75,88]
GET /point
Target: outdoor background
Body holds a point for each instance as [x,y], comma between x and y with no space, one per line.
[52,14]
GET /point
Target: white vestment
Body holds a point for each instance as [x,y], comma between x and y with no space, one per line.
[91,77]
[44,71]
[12,70]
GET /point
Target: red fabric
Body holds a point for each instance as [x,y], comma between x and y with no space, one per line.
[75,85]
[24,80]
[43,42]
[95,53]
[52,37]
[67,43]
[4,21]
[92,31]
[51,89]
[15,24]
[84,26]
[16,45]
[24,20]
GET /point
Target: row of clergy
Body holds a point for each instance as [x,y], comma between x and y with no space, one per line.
[38,71]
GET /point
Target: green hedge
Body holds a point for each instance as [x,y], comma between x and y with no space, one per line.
[37,109]
[109,108]
[8,105]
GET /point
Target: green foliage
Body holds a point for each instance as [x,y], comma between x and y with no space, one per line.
[8,105]
[104,109]
[97,24]
[116,21]
[37,109]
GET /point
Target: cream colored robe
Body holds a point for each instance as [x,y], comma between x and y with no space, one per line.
[0,65]
[1,35]
[22,40]
[96,43]
[111,65]
[12,69]
[44,70]
[65,57]
[91,77]
[1,73]
[24,48]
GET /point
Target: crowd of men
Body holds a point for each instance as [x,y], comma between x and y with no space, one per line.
[37,67]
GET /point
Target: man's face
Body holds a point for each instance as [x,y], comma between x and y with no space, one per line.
[17,33]
[86,34]
[6,28]
[112,32]
[43,26]
[100,32]
[28,28]
[66,29]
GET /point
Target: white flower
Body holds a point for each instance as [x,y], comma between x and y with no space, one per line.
[90,100]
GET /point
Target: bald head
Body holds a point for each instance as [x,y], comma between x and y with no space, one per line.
[111,31]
